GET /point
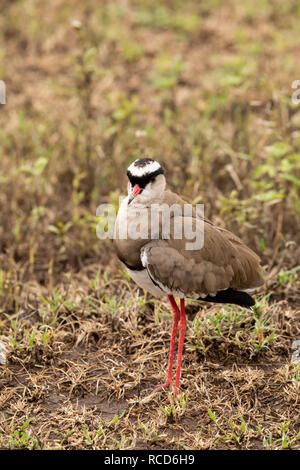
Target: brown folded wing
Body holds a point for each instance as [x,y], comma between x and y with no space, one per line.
[223,262]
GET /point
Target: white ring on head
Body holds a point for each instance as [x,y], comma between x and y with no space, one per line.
[150,167]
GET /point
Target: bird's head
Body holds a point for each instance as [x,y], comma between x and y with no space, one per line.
[146,180]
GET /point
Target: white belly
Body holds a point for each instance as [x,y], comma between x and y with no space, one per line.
[143,280]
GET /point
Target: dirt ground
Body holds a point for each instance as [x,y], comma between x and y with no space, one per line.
[205,88]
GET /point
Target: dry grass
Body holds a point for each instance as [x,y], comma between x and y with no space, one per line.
[204,87]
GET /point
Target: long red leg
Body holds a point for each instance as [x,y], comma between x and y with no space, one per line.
[176,316]
[182,328]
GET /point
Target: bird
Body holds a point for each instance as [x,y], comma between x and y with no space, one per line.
[222,270]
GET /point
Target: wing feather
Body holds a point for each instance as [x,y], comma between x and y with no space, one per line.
[223,262]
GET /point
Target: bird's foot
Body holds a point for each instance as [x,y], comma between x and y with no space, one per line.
[167,385]
[163,386]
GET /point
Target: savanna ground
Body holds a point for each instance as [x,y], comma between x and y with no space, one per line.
[205,88]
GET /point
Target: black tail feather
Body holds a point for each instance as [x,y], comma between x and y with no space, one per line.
[231,296]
